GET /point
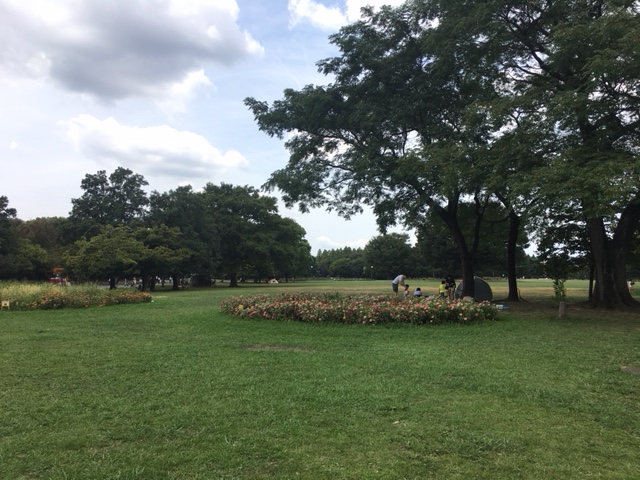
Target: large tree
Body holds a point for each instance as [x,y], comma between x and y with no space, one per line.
[121,251]
[390,255]
[186,209]
[345,262]
[51,234]
[254,239]
[393,131]
[437,83]
[570,79]
[113,252]
[164,253]
[289,251]
[6,234]
[117,199]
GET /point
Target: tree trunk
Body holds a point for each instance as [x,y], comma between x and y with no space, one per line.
[512,244]
[468,282]
[145,282]
[562,310]
[609,260]
[233,280]
[112,283]
[175,282]
[449,216]
[603,288]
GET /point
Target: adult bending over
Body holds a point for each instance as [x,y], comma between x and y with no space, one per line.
[399,280]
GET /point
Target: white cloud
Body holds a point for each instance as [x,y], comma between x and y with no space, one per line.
[172,98]
[333,17]
[126,58]
[328,243]
[152,151]
[120,48]
[318,15]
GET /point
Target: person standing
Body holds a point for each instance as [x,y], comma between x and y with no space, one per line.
[399,280]
[442,289]
[450,287]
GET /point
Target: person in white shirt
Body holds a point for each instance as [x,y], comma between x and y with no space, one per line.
[399,280]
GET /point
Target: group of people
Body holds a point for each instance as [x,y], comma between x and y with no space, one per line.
[446,289]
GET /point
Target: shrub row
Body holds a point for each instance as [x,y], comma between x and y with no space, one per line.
[49,297]
[364,309]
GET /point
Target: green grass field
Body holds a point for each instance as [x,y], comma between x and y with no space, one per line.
[176,390]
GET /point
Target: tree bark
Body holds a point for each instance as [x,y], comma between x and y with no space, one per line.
[466,254]
[512,244]
[144,286]
[609,260]
[562,310]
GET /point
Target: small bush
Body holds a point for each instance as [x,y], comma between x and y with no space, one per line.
[364,309]
[49,297]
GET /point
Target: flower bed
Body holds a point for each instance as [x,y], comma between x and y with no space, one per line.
[364,309]
[49,297]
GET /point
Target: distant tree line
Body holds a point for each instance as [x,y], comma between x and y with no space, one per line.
[433,256]
[116,231]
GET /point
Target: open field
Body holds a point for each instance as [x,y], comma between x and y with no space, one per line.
[176,390]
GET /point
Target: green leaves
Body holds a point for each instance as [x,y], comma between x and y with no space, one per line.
[117,199]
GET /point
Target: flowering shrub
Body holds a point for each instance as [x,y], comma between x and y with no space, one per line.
[364,309]
[49,297]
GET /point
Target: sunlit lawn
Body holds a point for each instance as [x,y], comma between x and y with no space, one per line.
[176,390]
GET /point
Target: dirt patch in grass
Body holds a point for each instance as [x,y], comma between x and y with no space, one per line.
[630,369]
[278,348]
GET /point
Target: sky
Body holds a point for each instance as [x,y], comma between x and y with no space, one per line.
[157,86]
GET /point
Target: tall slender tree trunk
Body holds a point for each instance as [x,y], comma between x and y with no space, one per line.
[144,286]
[603,288]
[512,245]
[466,258]
[449,216]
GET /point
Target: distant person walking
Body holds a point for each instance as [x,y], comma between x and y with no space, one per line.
[399,280]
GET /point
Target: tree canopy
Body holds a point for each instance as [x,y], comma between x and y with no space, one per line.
[116,230]
[436,102]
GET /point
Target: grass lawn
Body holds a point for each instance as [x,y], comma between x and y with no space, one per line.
[176,390]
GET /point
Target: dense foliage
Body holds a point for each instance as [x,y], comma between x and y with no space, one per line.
[116,231]
[442,108]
